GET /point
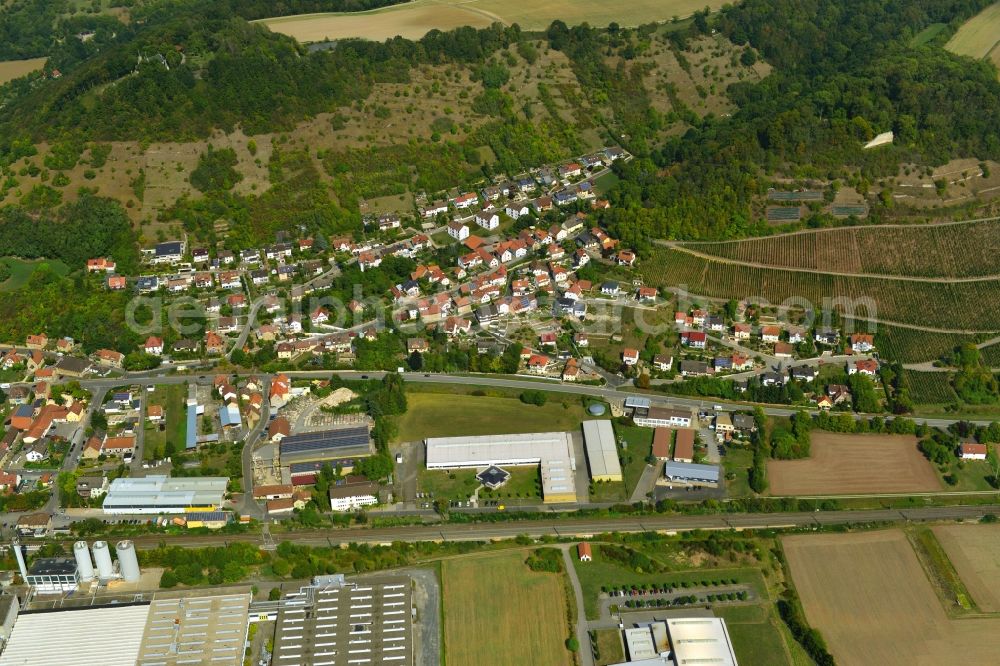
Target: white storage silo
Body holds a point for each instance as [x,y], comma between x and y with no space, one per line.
[128,563]
[102,558]
[84,565]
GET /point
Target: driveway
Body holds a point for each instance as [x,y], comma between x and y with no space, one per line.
[647,482]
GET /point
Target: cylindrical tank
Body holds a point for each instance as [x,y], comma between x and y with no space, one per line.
[128,563]
[102,558]
[84,565]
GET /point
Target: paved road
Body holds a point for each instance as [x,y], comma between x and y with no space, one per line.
[247,505]
[586,652]
[580,527]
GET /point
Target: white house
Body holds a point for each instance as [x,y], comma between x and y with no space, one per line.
[488,220]
[516,209]
[154,346]
[458,231]
[973,451]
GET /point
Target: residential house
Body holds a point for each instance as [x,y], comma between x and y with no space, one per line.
[663,362]
[464,201]
[695,368]
[109,358]
[153,346]
[971,451]
[741,331]
[770,333]
[862,342]
[214,343]
[516,209]
[694,339]
[488,220]
[630,356]
[867,367]
[538,363]
[783,350]
[610,289]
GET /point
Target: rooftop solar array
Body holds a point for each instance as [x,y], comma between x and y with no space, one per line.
[362,623]
[341,438]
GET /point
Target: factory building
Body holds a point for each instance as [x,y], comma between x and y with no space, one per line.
[162,494]
[691,473]
[644,414]
[176,628]
[182,628]
[602,453]
[53,574]
[333,446]
[679,641]
[335,622]
[551,451]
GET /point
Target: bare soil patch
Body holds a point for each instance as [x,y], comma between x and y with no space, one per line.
[974,551]
[844,464]
[411,22]
[871,600]
[15,69]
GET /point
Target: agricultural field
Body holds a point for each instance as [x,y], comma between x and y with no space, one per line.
[445,415]
[497,612]
[958,250]
[415,19]
[978,37]
[844,464]
[21,270]
[15,69]
[991,355]
[974,551]
[912,345]
[868,595]
[929,388]
[958,306]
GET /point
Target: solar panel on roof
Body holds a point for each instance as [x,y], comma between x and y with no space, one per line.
[325,439]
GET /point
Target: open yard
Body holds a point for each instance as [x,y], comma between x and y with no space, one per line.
[979,35]
[844,464]
[450,415]
[21,270]
[173,399]
[868,595]
[13,69]
[497,612]
[415,19]
[974,551]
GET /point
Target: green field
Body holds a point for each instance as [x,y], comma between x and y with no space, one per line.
[756,635]
[173,398]
[979,35]
[21,270]
[449,415]
[524,483]
[927,34]
[497,612]
[609,646]
[738,461]
[910,345]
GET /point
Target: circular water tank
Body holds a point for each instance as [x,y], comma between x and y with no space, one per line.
[102,558]
[84,565]
[596,409]
[128,563]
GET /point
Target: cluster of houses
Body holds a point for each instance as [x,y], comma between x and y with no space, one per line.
[33,427]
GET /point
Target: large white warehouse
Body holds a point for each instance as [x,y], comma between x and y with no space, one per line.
[162,494]
[551,451]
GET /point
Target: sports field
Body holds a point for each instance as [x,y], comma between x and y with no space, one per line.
[12,69]
[979,35]
[870,599]
[450,415]
[497,612]
[974,551]
[843,464]
[415,19]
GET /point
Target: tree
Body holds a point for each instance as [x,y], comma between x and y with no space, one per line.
[168,579]
[572,644]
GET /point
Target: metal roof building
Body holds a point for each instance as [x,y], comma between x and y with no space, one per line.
[349,442]
[336,623]
[602,453]
[191,628]
[93,636]
[162,494]
[701,640]
[551,451]
[691,472]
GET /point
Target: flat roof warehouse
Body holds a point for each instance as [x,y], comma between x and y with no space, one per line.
[551,451]
[162,494]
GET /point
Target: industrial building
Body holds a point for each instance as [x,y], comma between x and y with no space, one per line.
[551,451]
[644,414]
[53,574]
[105,635]
[333,445]
[162,494]
[182,628]
[602,452]
[691,474]
[335,622]
[701,640]
[679,641]
[175,628]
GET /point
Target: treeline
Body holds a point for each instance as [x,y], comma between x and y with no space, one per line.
[90,227]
